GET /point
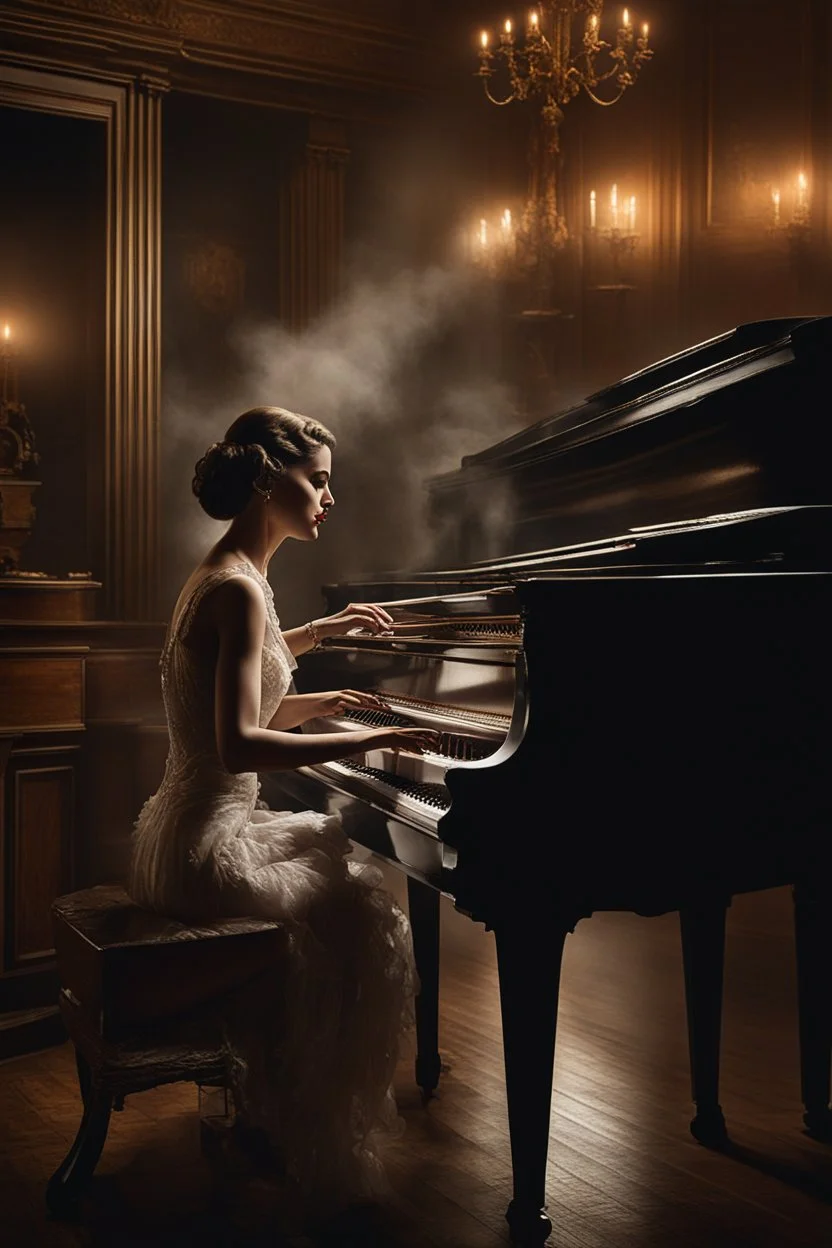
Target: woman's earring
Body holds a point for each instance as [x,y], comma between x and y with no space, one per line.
[263,487]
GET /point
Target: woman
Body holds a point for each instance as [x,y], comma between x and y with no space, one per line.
[314,1059]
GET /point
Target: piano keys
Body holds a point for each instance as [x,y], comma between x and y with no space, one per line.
[639,720]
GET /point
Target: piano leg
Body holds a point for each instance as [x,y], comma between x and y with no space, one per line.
[529,960]
[703,955]
[813,945]
[423,904]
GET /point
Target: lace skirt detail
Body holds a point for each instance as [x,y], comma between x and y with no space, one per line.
[314,1051]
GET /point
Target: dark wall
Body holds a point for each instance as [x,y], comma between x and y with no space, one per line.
[52,292]
[735,103]
[221,177]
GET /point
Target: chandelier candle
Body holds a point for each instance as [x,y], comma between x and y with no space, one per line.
[544,63]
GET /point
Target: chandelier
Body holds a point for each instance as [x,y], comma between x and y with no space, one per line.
[544,63]
[561,53]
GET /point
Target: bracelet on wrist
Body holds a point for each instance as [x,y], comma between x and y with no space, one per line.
[313,635]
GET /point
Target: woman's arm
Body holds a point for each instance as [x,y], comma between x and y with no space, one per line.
[364,615]
[295,709]
[238,613]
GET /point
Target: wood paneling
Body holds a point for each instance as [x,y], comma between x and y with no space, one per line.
[42,689]
[123,685]
[41,833]
[58,601]
[292,54]
[74,771]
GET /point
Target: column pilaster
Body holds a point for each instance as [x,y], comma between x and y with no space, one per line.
[312,223]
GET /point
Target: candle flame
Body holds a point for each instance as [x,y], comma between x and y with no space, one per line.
[533,17]
[626,17]
[7,332]
[483,232]
[614,195]
[508,25]
[593,21]
[484,39]
[645,30]
[775,195]
[801,181]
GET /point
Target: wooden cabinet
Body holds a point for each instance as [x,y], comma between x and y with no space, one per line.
[79,702]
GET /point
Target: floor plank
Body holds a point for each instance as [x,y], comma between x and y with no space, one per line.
[624,1171]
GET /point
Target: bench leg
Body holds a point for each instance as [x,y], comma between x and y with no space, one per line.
[75,1171]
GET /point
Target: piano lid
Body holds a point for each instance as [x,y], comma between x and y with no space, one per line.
[737,423]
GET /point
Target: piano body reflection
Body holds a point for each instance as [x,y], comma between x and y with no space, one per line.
[633,718]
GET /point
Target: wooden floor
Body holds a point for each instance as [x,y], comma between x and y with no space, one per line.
[624,1172]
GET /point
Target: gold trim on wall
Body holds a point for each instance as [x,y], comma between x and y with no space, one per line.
[130,109]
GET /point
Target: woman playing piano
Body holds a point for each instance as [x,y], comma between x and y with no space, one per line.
[316,1061]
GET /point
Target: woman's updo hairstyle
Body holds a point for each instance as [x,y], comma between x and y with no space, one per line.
[257,448]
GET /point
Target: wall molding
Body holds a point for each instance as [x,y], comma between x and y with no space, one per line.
[214,44]
[130,110]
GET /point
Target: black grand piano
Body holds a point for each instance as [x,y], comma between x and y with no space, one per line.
[627,652]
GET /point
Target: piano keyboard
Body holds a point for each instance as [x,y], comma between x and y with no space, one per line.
[452,747]
[420,802]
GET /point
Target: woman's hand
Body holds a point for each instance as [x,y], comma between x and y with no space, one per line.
[366,616]
[411,740]
[336,702]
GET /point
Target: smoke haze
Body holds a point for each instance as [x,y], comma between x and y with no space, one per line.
[395,371]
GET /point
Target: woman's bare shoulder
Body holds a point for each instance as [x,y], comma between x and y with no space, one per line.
[235,602]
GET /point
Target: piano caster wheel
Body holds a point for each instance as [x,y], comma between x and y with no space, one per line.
[528,1227]
[708,1127]
[818,1124]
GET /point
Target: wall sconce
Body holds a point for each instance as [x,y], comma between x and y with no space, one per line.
[797,230]
[492,246]
[620,234]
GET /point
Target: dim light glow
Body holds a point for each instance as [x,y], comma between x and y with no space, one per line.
[631,214]
[505,221]
[483,232]
[614,205]
[7,332]
[508,25]
[484,39]
[593,210]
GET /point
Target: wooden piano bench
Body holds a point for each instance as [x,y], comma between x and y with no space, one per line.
[142,995]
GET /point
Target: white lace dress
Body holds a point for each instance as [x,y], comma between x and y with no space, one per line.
[315,1062]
